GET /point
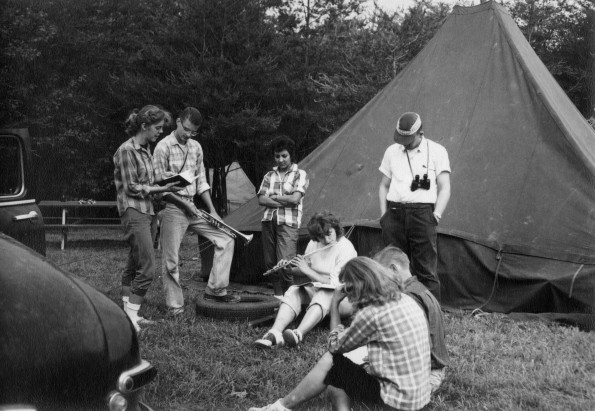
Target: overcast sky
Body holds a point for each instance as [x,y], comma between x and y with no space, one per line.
[392,5]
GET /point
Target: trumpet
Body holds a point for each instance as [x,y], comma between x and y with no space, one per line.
[281,266]
[227,229]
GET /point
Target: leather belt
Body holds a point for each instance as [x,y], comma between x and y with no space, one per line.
[392,204]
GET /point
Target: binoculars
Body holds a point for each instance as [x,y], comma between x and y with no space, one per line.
[423,184]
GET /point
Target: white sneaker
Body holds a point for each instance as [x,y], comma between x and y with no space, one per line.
[292,337]
[271,407]
[270,340]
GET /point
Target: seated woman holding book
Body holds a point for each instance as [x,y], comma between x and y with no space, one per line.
[326,253]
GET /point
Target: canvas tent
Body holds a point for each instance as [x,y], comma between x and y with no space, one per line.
[239,187]
[519,231]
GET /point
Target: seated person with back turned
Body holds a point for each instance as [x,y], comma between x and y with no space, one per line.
[397,262]
[395,331]
[328,252]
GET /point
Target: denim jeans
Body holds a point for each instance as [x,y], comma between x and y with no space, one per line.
[412,228]
[174,223]
[139,230]
[279,241]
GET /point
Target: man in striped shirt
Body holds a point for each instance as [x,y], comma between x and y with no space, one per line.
[175,154]
[281,194]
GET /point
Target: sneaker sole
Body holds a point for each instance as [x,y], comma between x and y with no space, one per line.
[290,338]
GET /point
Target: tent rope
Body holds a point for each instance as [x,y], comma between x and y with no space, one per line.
[479,310]
[574,278]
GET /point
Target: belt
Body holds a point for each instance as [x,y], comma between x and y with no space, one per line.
[189,199]
[392,204]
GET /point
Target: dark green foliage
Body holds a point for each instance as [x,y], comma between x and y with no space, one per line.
[73,69]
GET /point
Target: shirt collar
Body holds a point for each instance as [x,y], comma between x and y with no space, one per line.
[421,147]
[138,147]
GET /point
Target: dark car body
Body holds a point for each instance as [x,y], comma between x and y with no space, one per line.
[20,216]
[63,344]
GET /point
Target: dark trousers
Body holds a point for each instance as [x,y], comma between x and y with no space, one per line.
[412,228]
[279,241]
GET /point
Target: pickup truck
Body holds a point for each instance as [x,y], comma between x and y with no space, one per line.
[20,216]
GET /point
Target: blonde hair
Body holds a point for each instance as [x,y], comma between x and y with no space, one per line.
[368,283]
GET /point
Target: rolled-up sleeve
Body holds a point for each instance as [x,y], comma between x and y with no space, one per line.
[129,173]
[302,183]
[265,185]
[201,181]
[361,331]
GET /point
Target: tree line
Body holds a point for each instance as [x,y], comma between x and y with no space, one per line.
[73,69]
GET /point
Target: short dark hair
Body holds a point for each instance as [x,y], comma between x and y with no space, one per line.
[321,222]
[281,143]
[191,114]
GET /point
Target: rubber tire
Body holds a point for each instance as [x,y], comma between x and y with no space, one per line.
[251,307]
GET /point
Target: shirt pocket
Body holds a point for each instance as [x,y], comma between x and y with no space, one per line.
[287,188]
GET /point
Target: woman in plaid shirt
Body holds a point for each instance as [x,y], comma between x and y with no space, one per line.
[135,186]
[395,330]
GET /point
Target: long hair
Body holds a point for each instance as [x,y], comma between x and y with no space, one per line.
[368,283]
[320,223]
[148,115]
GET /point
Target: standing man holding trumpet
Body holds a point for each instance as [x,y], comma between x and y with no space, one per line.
[177,153]
[281,194]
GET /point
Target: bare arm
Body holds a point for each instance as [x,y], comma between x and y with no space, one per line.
[266,201]
[206,197]
[382,193]
[338,296]
[443,186]
[288,200]
[300,263]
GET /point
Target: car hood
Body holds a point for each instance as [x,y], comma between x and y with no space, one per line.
[58,336]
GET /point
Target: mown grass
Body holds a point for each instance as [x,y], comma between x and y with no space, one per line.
[204,364]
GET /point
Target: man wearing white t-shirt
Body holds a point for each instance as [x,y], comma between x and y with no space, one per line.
[413,193]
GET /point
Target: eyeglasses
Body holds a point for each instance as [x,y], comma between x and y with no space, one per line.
[187,130]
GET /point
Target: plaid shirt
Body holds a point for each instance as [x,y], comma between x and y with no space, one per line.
[295,180]
[133,169]
[171,157]
[398,350]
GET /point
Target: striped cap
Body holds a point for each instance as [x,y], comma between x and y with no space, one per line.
[409,124]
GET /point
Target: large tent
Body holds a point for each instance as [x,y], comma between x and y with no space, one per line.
[519,231]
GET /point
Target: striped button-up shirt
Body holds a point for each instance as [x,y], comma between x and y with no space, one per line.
[171,158]
[294,180]
[133,169]
[397,337]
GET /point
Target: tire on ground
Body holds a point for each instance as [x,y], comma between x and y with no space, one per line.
[250,307]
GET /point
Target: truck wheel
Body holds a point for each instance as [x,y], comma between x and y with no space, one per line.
[250,307]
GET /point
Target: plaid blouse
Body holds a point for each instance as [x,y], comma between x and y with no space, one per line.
[398,350]
[173,157]
[133,169]
[295,180]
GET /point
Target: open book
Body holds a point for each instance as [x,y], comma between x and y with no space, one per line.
[183,179]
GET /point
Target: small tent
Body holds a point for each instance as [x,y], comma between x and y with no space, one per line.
[519,231]
[239,188]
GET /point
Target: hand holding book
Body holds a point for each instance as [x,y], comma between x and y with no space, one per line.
[183,179]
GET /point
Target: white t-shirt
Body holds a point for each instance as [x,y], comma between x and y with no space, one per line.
[396,167]
[331,260]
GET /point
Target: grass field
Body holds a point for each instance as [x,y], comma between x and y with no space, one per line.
[496,364]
